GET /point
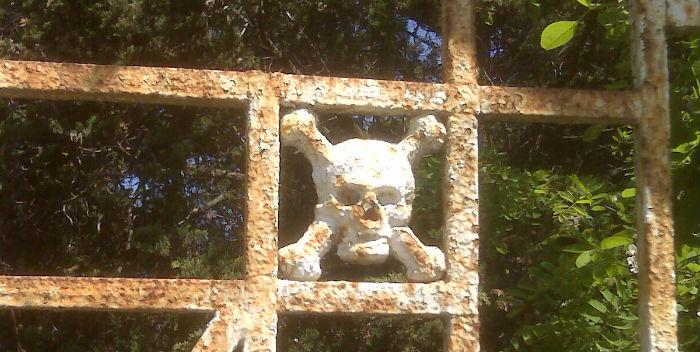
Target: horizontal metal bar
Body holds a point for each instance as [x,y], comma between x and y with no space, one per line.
[683,15]
[373,298]
[44,80]
[358,95]
[560,105]
[63,81]
[45,292]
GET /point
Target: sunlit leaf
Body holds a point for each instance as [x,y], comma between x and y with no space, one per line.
[599,306]
[615,241]
[557,34]
[694,267]
[584,258]
[629,193]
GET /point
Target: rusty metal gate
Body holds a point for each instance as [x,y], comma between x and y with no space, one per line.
[246,310]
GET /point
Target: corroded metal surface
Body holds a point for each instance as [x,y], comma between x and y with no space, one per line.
[31,79]
[263,185]
[329,94]
[683,15]
[459,37]
[461,334]
[657,292]
[366,95]
[461,242]
[260,305]
[436,298]
[114,293]
[559,105]
[245,311]
[261,221]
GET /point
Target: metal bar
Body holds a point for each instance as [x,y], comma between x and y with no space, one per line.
[42,292]
[461,334]
[462,221]
[460,62]
[657,303]
[62,81]
[560,105]
[366,95]
[262,221]
[683,15]
[65,81]
[59,81]
[461,187]
[373,298]
[260,307]
[263,186]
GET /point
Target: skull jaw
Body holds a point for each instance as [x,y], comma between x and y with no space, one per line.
[363,240]
[364,253]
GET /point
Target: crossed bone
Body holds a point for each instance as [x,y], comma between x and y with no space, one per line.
[366,190]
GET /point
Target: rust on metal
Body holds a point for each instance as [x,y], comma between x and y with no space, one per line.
[657,303]
[156,85]
[461,334]
[436,298]
[65,81]
[116,293]
[358,95]
[263,183]
[683,15]
[459,37]
[262,220]
[560,105]
[461,235]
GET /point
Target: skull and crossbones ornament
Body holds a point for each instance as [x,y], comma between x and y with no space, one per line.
[365,190]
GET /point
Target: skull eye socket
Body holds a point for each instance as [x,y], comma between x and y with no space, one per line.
[388,196]
[349,195]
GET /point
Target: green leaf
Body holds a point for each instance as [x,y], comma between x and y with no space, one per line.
[630,317]
[601,348]
[694,267]
[610,297]
[557,34]
[584,258]
[629,193]
[615,241]
[566,196]
[576,248]
[598,208]
[599,306]
[592,318]
[586,3]
[615,342]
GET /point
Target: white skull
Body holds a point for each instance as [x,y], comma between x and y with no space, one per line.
[365,190]
[368,189]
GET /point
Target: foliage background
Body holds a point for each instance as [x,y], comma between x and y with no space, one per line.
[157,191]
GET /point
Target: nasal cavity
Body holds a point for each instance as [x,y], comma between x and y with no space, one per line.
[374,213]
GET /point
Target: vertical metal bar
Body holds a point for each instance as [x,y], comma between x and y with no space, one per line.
[462,227]
[459,41]
[461,334]
[657,303]
[263,186]
[260,307]
[261,221]
[461,175]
